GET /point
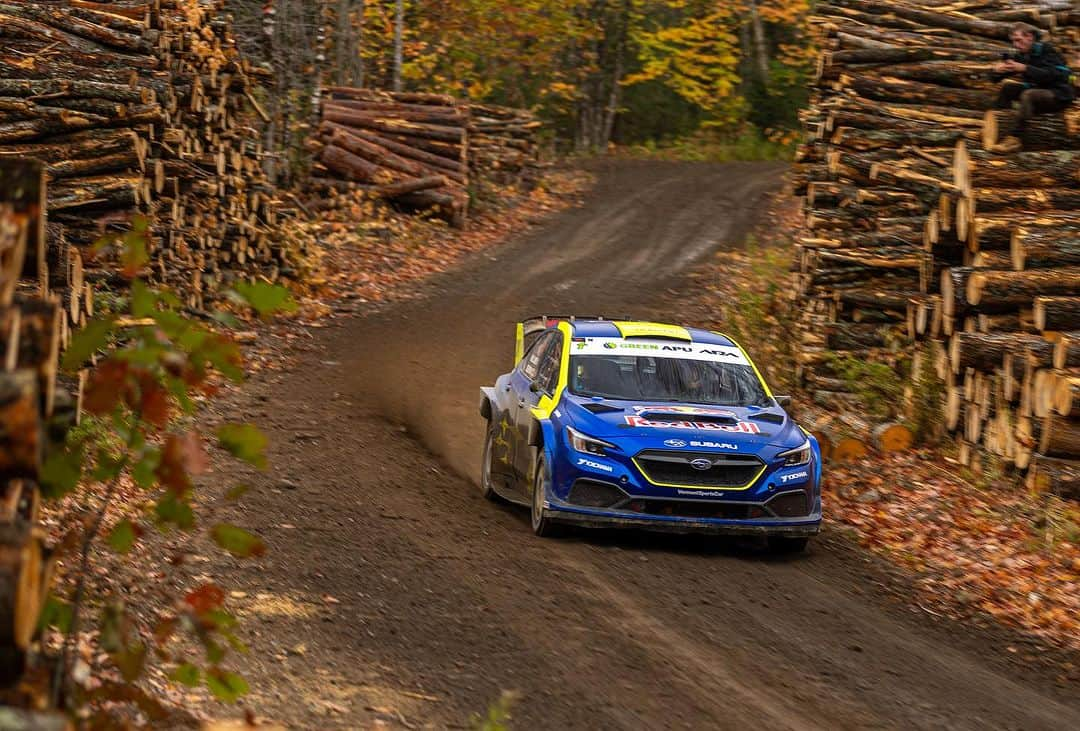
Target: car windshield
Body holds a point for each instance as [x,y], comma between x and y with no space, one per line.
[648,378]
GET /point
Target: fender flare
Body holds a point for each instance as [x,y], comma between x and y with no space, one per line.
[487,401]
[542,436]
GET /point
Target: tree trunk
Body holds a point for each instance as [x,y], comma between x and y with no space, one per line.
[399,35]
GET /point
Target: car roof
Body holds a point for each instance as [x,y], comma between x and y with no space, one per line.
[612,329]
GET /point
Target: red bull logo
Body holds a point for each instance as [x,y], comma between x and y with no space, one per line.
[740,427]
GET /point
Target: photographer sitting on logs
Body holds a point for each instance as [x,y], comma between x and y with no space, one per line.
[1034,74]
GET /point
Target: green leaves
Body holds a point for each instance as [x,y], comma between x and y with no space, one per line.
[226,686]
[123,536]
[172,510]
[244,441]
[61,472]
[87,341]
[265,299]
[143,299]
[186,674]
[56,613]
[237,541]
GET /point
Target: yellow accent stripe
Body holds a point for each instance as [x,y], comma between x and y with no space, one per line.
[652,330]
[747,486]
[519,344]
[548,403]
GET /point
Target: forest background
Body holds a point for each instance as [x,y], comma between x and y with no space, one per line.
[706,79]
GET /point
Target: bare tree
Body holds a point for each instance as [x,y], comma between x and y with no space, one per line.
[399,29]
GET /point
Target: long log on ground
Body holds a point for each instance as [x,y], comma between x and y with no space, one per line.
[1059,477]
[345,92]
[1060,437]
[375,153]
[1042,133]
[964,24]
[979,169]
[1051,249]
[986,351]
[1067,350]
[406,187]
[862,139]
[76,89]
[452,170]
[997,200]
[1056,313]
[1066,396]
[1019,288]
[389,125]
[891,89]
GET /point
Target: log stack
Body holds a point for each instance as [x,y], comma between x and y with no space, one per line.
[926,252]
[503,145]
[408,147]
[421,151]
[34,413]
[139,107]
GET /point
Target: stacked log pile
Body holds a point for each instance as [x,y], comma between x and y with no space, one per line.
[420,150]
[411,148]
[927,253]
[502,143]
[33,412]
[138,107]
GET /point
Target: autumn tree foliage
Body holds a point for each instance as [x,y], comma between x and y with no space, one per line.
[627,71]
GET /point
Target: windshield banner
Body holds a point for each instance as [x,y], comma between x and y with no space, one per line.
[658,349]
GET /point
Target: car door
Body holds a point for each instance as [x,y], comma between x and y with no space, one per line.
[521,395]
[542,383]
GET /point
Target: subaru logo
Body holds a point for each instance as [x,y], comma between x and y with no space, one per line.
[674,443]
[701,464]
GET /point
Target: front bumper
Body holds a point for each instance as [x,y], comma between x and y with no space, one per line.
[609,518]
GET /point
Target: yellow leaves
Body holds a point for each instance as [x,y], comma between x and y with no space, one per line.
[698,59]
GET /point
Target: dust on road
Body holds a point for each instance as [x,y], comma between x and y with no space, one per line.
[441,600]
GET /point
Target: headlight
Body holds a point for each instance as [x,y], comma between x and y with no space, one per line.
[588,445]
[796,457]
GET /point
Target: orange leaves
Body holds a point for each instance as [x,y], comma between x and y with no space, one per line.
[205,598]
[181,457]
[974,550]
[107,385]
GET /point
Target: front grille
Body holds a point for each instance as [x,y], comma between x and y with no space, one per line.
[789,505]
[594,494]
[675,468]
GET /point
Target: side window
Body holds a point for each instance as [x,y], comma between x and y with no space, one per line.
[548,375]
[530,364]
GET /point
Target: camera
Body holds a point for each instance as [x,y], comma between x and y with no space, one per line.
[1006,56]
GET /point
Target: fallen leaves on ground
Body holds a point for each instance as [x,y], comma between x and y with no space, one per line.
[991,548]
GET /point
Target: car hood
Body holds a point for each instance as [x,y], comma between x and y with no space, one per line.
[657,424]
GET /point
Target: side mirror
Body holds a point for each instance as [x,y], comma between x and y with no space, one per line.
[782,401]
[535,387]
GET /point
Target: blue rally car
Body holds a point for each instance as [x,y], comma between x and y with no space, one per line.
[639,424]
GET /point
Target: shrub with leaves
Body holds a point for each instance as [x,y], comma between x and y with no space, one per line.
[147,368]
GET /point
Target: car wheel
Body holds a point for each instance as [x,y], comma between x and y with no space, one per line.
[542,525]
[486,488]
[787,545]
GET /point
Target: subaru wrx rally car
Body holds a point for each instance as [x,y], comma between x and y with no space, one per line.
[639,424]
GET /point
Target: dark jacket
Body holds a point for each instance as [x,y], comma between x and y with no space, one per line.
[1046,69]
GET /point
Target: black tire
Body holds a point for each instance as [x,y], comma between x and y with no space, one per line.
[787,545]
[542,525]
[485,468]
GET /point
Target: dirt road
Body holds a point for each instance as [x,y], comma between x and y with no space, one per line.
[392,590]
